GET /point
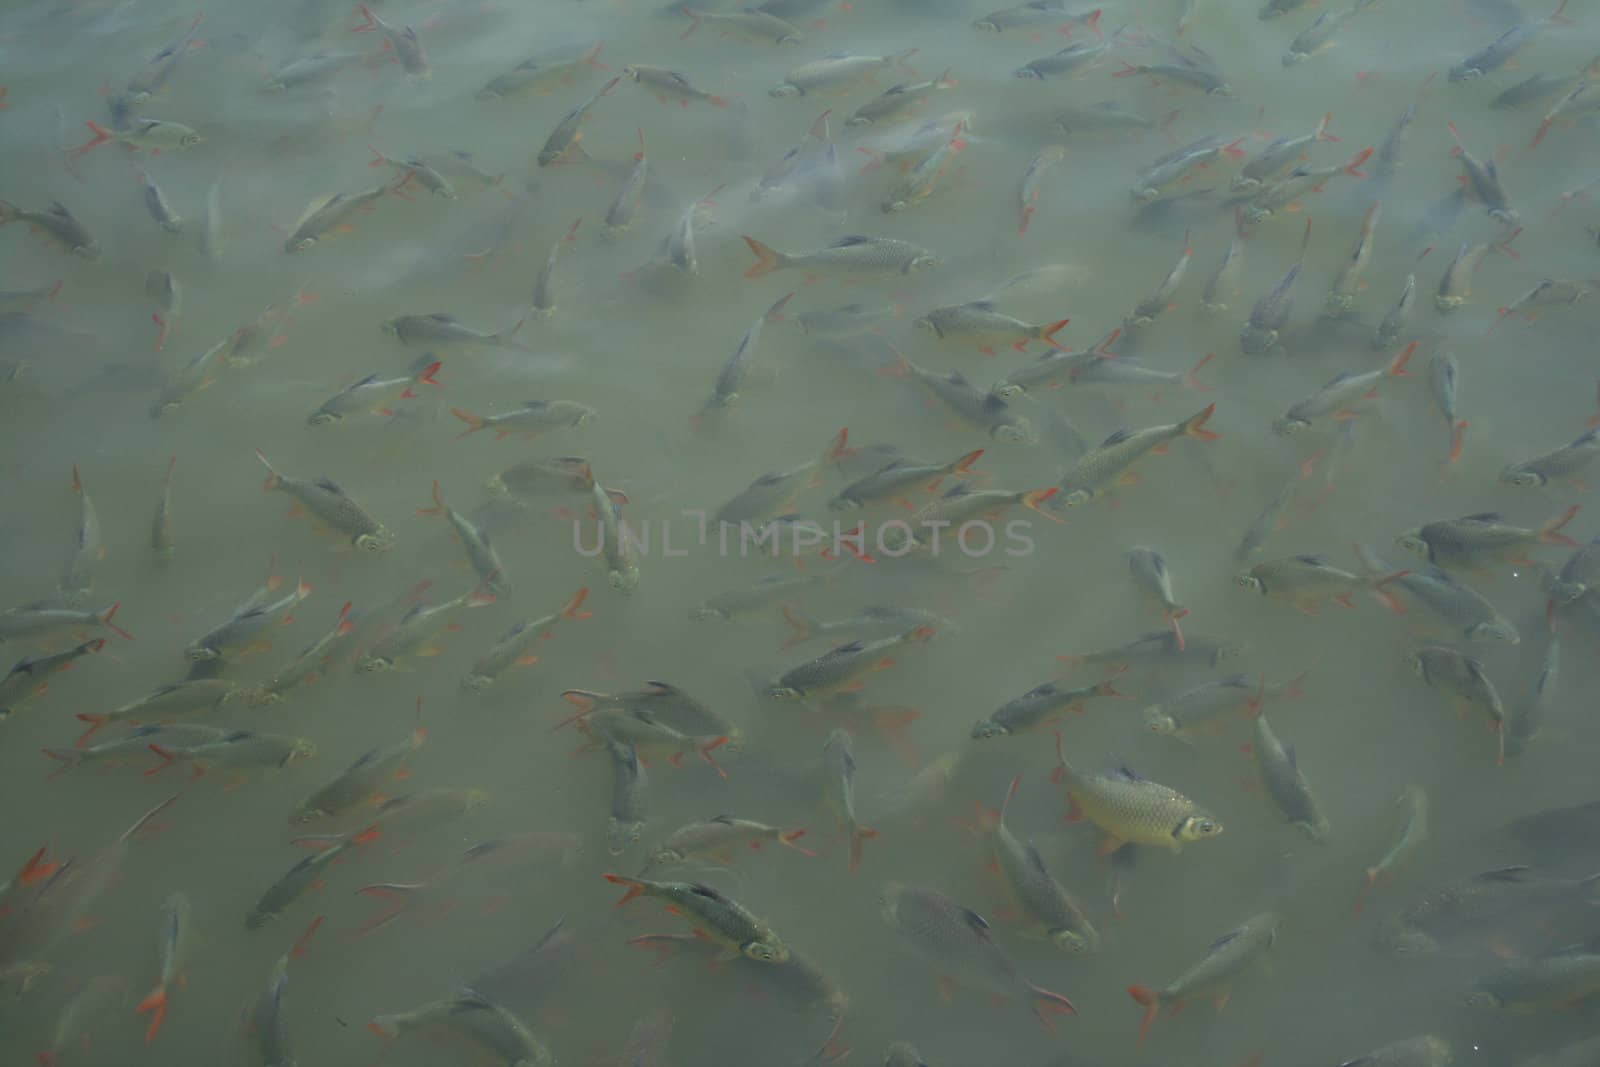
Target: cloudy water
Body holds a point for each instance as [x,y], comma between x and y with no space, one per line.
[357,340]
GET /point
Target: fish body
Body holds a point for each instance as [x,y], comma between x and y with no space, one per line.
[267,1020]
[835,74]
[305,666]
[763,593]
[514,647]
[1578,574]
[718,917]
[1307,579]
[1094,473]
[1398,317]
[717,839]
[1286,784]
[1319,35]
[481,553]
[1559,980]
[1463,679]
[958,942]
[1340,396]
[484,1022]
[196,696]
[1412,835]
[358,783]
[856,254]
[438,329]
[1037,13]
[1479,902]
[30,675]
[748,24]
[1162,177]
[403,41]
[155,202]
[564,139]
[616,542]
[1038,707]
[894,102]
[839,778]
[373,394]
[88,548]
[245,625]
[981,325]
[630,790]
[36,621]
[921,181]
[1061,64]
[533,418]
[1043,899]
[540,73]
[840,667]
[330,213]
[1347,284]
[237,750]
[1134,810]
[58,223]
[1474,540]
[1269,317]
[1564,463]
[1183,714]
[899,478]
[331,505]
[1498,52]
[669,85]
[416,628]
[1219,288]
[1224,960]
[532,480]
[174,947]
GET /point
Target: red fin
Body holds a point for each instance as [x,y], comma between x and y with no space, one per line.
[635,887]
[156,1002]
[1549,533]
[1151,1001]
[36,868]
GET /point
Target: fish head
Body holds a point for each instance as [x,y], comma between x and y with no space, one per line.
[665,856]
[1293,57]
[1506,215]
[1196,828]
[323,417]
[1566,591]
[1072,942]
[1159,722]
[375,664]
[190,139]
[161,407]
[1027,72]
[1254,340]
[1248,580]
[1419,664]
[706,612]
[1289,425]
[257,919]
[844,503]
[1315,829]
[766,950]
[1338,304]
[261,696]
[1494,630]
[1244,184]
[1412,541]
[379,540]
[201,653]
[925,261]
[1005,391]
[783,692]
[624,581]
[986,729]
[300,749]
[622,835]
[1464,72]
[1144,194]
[1522,477]
[1018,431]
[987,25]
[783,89]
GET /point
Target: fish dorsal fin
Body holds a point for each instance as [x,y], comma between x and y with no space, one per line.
[1314,560]
[852,239]
[849,648]
[976,921]
[1030,852]
[700,889]
[1221,941]
[1041,690]
[959,489]
[770,478]
[1288,753]
[1484,516]
[662,688]
[955,377]
[1127,773]
[980,305]
[1516,873]
[535,405]
[330,485]
[1117,437]
[1344,375]
[726,820]
[236,736]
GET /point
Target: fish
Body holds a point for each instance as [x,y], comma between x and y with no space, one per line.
[1221,286]
[763,593]
[1152,306]
[1129,809]
[630,787]
[411,636]
[177,700]
[1068,61]
[438,329]
[402,40]
[836,73]
[1338,398]
[1104,464]
[196,375]
[307,666]
[1148,567]
[856,254]
[533,418]
[958,941]
[1412,835]
[372,394]
[748,24]
[36,621]
[717,917]
[1341,298]
[1286,783]
[616,543]
[1304,580]
[1285,193]
[904,1053]
[158,70]
[1471,616]
[1269,317]
[1161,647]
[330,214]
[1189,66]
[1463,679]
[59,224]
[619,216]
[1476,904]
[894,102]
[1525,720]
[1455,287]
[1053,369]
[174,946]
[1476,540]
[848,321]
[920,182]
[1224,960]
[898,478]
[155,135]
[307,70]
[155,202]
[358,783]
[528,482]
[1042,898]
[1318,36]
[1162,177]
[1561,979]
[980,324]
[413,168]
[1038,707]
[1273,8]
[873,620]
[30,675]
[1578,574]
[485,1022]
[1483,182]
[1104,116]
[770,494]
[481,553]
[1029,189]
[88,548]
[1038,13]
[1182,715]
[839,776]
[1269,520]
[717,840]
[1497,53]
[85,1012]
[1562,464]
[266,1022]
[541,73]
[514,647]
[1443,372]
[243,628]
[1530,90]
[959,508]
[736,370]
[329,504]
[839,669]
[237,750]
[1573,1054]
[670,86]
[565,140]
[1397,318]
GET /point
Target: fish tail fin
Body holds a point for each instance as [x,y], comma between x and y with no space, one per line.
[68,757]
[1047,1004]
[858,838]
[1177,631]
[788,839]
[438,502]
[900,58]
[1036,497]
[1191,378]
[1458,437]
[1386,598]
[1397,369]
[96,724]
[1550,534]
[1557,17]
[1093,22]
[8,213]
[101,136]
[697,19]
[1151,1001]
[1127,70]
[166,757]
[707,748]
[570,611]
[155,1005]
[1048,334]
[386,1029]
[634,887]
[963,465]
[1195,425]
[36,868]
[1353,168]
[104,619]
[274,479]
[768,259]
[802,624]
[1322,133]
[1005,805]
[474,422]
[427,375]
